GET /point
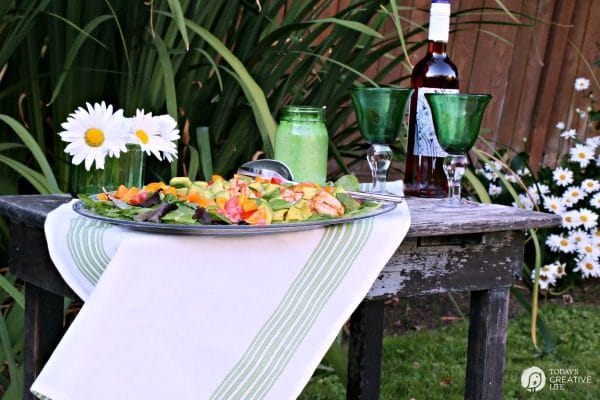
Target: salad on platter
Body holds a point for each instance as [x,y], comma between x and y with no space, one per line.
[241,200]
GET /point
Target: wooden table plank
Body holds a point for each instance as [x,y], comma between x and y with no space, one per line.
[429,217]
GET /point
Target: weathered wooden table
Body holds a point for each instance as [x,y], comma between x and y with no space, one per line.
[476,249]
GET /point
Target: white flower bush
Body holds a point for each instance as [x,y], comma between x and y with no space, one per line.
[95,132]
[570,190]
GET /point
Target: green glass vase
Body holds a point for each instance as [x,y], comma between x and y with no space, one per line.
[126,170]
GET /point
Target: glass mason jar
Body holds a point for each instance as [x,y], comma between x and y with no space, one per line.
[301,141]
[126,170]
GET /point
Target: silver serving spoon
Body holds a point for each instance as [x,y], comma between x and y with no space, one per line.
[268,168]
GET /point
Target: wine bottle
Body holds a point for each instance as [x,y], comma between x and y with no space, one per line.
[435,73]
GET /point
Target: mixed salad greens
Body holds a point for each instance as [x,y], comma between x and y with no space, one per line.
[239,200]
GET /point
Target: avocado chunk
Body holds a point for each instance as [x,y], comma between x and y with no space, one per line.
[293,215]
[309,192]
[217,186]
[256,186]
[279,215]
[180,182]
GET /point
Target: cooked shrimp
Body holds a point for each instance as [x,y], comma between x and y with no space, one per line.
[325,203]
[290,195]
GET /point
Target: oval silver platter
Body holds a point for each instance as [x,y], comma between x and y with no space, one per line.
[228,230]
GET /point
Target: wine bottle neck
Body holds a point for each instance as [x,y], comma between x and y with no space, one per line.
[436,47]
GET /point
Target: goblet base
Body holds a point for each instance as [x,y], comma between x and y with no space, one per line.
[457,203]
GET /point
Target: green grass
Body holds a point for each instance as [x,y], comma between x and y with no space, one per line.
[431,365]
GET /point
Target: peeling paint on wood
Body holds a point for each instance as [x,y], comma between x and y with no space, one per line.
[452,265]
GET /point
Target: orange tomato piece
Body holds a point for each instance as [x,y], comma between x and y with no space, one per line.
[248,204]
[195,198]
[216,178]
[121,191]
[155,186]
[221,201]
[258,217]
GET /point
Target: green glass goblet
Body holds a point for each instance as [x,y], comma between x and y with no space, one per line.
[457,119]
[379,113]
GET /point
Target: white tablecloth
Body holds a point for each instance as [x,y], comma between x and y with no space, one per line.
[180,317]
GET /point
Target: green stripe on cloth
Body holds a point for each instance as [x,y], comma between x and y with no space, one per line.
[85,243]
[267,355]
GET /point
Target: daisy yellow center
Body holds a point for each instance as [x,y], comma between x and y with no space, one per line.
[588,249]
[562,177]
[589,266]
[590,184]
[568,219]
[94,137]
[142,135]
[564,242]
[581,155]
[553,206]
[583,218]
[575,194]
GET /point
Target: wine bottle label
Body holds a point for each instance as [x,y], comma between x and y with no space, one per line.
[439,21]
[426,143]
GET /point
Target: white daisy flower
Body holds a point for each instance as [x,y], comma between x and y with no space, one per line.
[574,194]
[490,176]
[588,267]
[167,127]
[561,269]
[562,176]
[523,172]
[587,218]
[560,125]
[147,132]
[512,178]
[554,204]
[577,236]
[570,219]
[586,248]
[560,243]
[494,190]
[582,84]
[569,134]
[590,185]
[582,154]
[542,188]
[93,134]
[493,166]
[593,142]
[545,280]
[595,200]
[568,202]
[526,202]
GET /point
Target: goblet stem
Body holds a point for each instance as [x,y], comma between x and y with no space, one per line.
[379,158]
[454,167]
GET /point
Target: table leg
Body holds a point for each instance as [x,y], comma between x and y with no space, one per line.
[43,330]
[364,352]
[487,344]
